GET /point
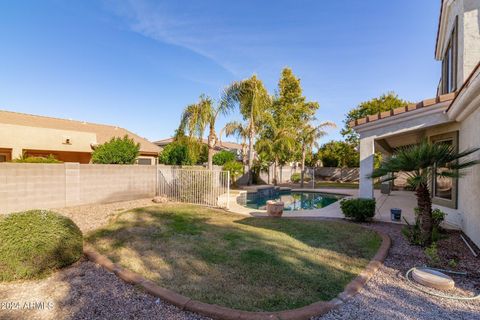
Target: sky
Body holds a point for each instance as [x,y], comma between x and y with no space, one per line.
[137,63]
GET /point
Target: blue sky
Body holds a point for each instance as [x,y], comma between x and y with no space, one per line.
[138,63]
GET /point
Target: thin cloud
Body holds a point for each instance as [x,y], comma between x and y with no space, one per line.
[156,21]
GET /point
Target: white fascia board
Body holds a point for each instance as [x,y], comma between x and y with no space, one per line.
[467,102]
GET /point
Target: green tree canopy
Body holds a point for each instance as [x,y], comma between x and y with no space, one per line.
[117,151]
[385,102]
[338,154]
[184,151]
[222,157]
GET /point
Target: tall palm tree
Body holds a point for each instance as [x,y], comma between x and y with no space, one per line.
[253,100]
[240,130]
[308,138]
[423,163]
[196,117]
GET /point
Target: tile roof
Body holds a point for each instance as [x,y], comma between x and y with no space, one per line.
[103,132]
[407,108]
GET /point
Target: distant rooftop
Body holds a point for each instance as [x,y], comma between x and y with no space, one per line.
[103,132]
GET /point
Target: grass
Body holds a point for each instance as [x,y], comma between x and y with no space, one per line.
[245,263]
[36,242]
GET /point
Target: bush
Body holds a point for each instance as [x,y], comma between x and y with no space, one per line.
[358,209]
[235,168]
[222,157]
[27,159]
[36,242]
[295,178]
[413,233]
[184,152]
[116,151]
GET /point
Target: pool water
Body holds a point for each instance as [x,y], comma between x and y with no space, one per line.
[293,200]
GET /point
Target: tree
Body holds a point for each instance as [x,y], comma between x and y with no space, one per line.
[235,128]
[308,138]
[423,163]
[385,102]
[184,151]
[253,101]
[196,117]
[117,151]
[338,154]
[274,144]
[222,157]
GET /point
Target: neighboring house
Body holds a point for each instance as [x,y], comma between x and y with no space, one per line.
[221,145]
[452,117]
[66,140]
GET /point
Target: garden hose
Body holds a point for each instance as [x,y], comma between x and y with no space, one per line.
[440,295]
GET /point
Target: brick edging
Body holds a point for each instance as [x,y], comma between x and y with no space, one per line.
[219,312]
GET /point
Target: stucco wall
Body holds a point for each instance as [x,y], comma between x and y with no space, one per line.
[468,35]
[469,185]
[46,186]
[19,138]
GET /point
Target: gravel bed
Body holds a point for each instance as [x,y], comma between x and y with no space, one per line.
[388,296]
[86,291]
[91,217]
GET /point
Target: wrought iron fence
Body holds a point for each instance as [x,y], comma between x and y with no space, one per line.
[202,187]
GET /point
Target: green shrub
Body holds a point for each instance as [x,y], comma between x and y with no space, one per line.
[28,159]
[295,178]
[413,233]
[222,157]
[235,168]
[432,255]
[184,152]
[36,242]
[358,209]
[117,151]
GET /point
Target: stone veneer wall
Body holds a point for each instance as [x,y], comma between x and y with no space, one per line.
[45,186]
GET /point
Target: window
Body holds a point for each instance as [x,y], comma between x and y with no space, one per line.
[5,155]
[144,161]
[444,190]
[449,62]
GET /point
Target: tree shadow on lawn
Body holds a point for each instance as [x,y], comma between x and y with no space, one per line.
[249,264]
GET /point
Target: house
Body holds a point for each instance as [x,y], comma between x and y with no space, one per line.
[221,145]
[66,140]
[453,116]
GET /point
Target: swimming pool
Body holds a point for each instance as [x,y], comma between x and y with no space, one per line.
[293,200]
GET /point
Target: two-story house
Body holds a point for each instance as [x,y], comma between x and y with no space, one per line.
[453,116]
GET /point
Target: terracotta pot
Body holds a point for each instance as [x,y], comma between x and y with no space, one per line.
[274,208]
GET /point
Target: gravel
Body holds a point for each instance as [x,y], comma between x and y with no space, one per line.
[388,296]
[86,291]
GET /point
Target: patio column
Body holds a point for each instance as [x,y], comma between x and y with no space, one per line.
[367,153]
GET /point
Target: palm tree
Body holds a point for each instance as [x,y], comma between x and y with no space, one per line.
[423,163]
[276,143]
[308,138]
[240,130]
[196,117]
[253,101]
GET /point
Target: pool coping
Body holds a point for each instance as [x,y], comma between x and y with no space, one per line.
[218,312]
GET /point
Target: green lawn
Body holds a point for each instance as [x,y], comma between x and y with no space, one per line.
[246,263]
